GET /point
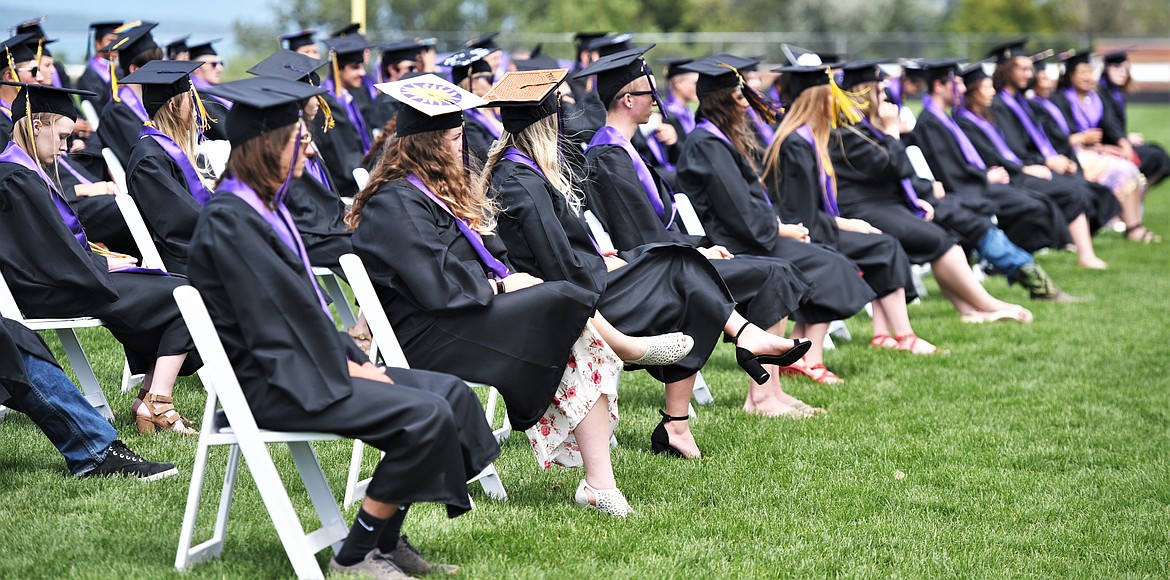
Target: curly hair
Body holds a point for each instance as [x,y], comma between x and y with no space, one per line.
[721,109]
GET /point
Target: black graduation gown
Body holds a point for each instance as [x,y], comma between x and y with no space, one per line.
[663,288]
[51,276]
[157,185]
[318,212]
[16,340]
[340,148]
[90,81]
[795,184]
[766,289]
[730,200]
[1030,219]
[291,363]
[99,214]
[217,113]
[870,169]
[5,130]
[437,295]
[642,146]
[118,129]
[479,139]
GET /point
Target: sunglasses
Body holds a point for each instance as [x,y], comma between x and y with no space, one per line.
[32,70]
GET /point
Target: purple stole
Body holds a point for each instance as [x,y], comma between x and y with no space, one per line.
[76,174]
[317,171]
[992,133]
[710,127]
[201,84]
[14,154]
[1086,112]
[907,185]
[610,136]
[895,87]
[828,191]
[6,109]
[969,151]
[493,264]
[100,66]
[130,99]
[355,117]
[661,155]
[195,185]
[1037,136]
[1054,112]
[281,222]
[368,83]
[482,119]
[765,130]
[1114,92]
[680,111]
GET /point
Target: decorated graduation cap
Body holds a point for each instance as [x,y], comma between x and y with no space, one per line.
[798,56]
[17,49]
[295,40]
[44,99]
[607,45]
[526,97]
[1009,50]
[861,72]
[32,27]
[294,66]
[262,104]
[178,46]
[468,62]
[161,80]
[433,104]
[202,49]
[618,70]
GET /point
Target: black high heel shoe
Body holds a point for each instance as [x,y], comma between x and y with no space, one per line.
[660,441]
[752,363]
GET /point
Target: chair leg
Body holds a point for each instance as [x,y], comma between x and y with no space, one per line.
[702,392]
[130,381]
[332,524]
[352,481]
[89,382]
[489,479]
[186,556]
[340,302]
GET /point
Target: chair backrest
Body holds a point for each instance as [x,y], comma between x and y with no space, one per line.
[216,152]
[599,234]
[367,300]
[361,177]
[117,172]
[91,115]
[217,374]
[688,215]
[918,161]
[146,248]
[8,307]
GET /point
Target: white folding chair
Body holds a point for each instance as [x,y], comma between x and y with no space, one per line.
[66,331]
[688,215]
[918,162]
[333,287]
[361,177]
[385,341]
[243,437]
[216,152]
[117,172]
[150,259]
[91,115]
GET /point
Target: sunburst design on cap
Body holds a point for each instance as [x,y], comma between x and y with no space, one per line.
[431,94]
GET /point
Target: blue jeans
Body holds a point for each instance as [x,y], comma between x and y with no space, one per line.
[1001,253]
[56,405]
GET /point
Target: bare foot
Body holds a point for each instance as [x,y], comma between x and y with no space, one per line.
[1092,263]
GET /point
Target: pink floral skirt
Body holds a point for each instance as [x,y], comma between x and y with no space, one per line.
[593,371]
[1119,175]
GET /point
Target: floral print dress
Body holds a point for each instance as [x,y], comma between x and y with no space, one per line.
[593,371]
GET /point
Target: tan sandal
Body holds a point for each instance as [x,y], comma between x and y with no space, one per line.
[163,415]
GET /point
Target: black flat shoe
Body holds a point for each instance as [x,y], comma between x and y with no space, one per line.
[660,441]
[752,363]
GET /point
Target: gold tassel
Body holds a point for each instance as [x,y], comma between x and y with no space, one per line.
[325,110]
[847,106]
[204,118]
[11,65]
[767,110]
[336,73]
[114,82]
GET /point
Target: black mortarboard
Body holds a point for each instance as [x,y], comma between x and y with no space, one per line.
[295,40]
[467,62]
[262,104]
[741,63]
[672,65]
[347,30]
[526,97]
[939,70]
[18,48]
[608,45]
[348,49]
[1009,50]
[134,38]
[290,65]
[487,41]
[538,62]
[859,72]
[161,80]
[195,51]
[582,39]
[829,57]
[433,104]
[101,29]
[798,56]
[32,27]
[973,74]
[176,46]
[1070,59]
[713,76]
[798,79]
[616,71]
[396,52]
[44,99]
[1116,57]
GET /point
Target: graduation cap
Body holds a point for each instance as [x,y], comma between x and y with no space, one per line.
[295,40]
[741,63]
[433,104]
[1071,58]
[347,50]
[44,99]
[861,72]
[161,80]
[177,46]
[17,49]
[487,41]
[607,45]
[347,30]
[536,62]
[1115,57]
[673,65]
[800,56]
[468,62]
[100,29]
[798,79]
[290,65]
[202,49]
[616,71]
[828,57]
[526,97]
[582,39]
[714,76]
[134,38]
[32,27]
[942,69]
[397,52]
[973,74]
[1009,50]
[262,104]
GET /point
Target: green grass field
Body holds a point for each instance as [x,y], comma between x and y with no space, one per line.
[1038,451]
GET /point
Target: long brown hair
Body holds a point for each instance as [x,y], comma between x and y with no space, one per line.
[970,104]
[257,162]
[811,107]
[428,156]
[721,108]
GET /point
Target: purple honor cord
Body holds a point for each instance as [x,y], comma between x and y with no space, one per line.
[195,185]
[907,184]
[828,191]
[992,133]
[498,269]
[969,151]
[1034,133]
[608,135]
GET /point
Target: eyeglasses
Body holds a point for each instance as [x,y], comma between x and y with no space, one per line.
[216,63]
[639,93]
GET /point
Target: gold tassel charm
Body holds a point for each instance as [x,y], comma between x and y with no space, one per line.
[847,106]
[328,112]
[203,120]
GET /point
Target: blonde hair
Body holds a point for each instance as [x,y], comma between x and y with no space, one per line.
[541,142]
[812,108]
[22,135]
[169,120]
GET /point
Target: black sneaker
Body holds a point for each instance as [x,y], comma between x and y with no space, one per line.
[121,461]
